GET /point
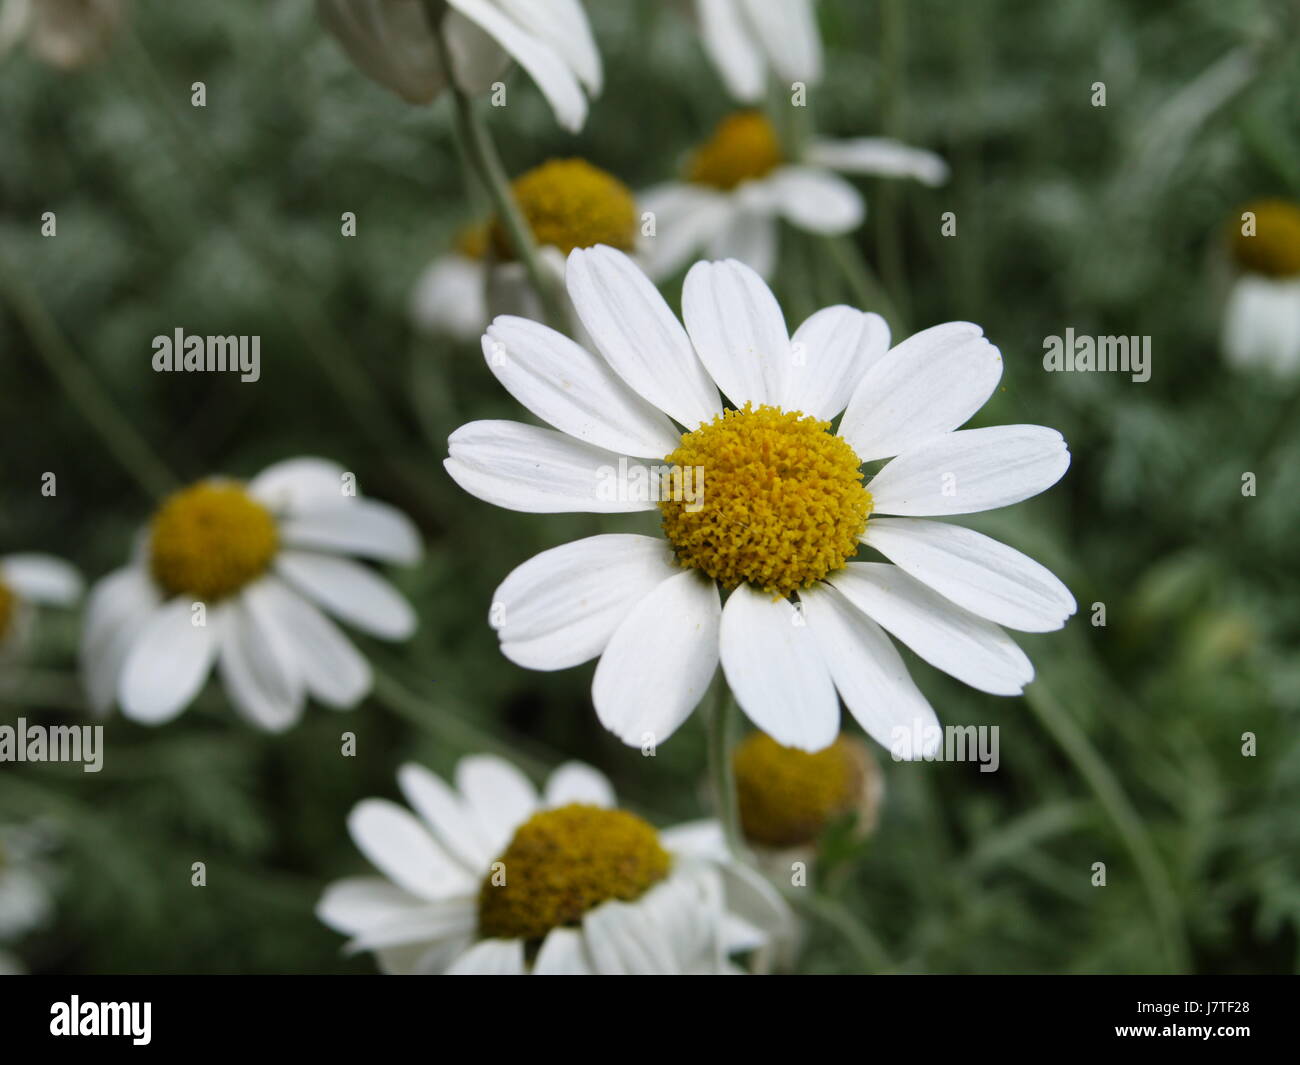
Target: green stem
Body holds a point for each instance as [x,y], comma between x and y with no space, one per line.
[888,236]
[78,382]
[1155,878]
[722,772]
[830,911]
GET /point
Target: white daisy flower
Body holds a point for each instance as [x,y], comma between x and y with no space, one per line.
[235,574]
[26,900]
[63,33]
[392,43]
[1261,326]
[492,878]
[762,499]
[747,39]
[740,183]
[27,581]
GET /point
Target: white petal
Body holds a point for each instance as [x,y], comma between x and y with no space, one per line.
[926,386]
[448,923]
[43,578]
[401,848]
[623,940]
[696,839]
[118,608]
[453,823]
[491,957]
[788,32]
[390,43]
[831,351]
[573,390]
[541,471]
[561,607]
[1262,324]
[749,236]
[732,48]
[868,670]
[638,335]
[737,327]
[451,297]
[349,591]
[576,782]
[954,640]
[563,25]
[499,796]
[332,669]
[971,470]
[879,156]
[659,661]
[686,218]
[295,483]
[168,662]
[258,667]
[816,200]
[775,671]
[355,526]
[549,72]
[360,902]
[563,953]
[976,572]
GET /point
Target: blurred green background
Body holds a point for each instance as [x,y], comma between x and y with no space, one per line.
[1109,220]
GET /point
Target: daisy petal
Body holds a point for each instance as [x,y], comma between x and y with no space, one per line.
[450,297]
[491,957]
[867,669]
[561,607]
[576,782]
[686,218]
[971,470]
[452,822]
[790,37]
[294,483]
[563,25]
[623,940]
[636,697]
[257,667]
[879,156]
[816,200]
[924,387]
[541,471]
[563,953]
[349,591]
[737,327]
[731,48]
[954,640]
[401,848]
[118,608]
[638,335]
[749,235]
[772,664]
[44,578]
[831,351]
[359,902]
[168,663]
[1261,325]
[355,526]
[976,572]
[499,796]
[450,922]
[565,385]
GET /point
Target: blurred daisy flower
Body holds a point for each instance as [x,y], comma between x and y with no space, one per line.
[762,499]
[745,39]
[63,33]
[235,574]
[1261,326]
[491,878]
[392,42]
[27,581]
[25,898]
[740,182]
[567,203]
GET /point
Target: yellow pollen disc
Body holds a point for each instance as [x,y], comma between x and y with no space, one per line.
[564,862]
[744,146]
[1274,250]
[210,540]
[782,504]
[472,241]
[569,204]
[788,797]
[8,608]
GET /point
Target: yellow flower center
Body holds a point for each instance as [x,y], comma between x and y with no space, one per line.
[568,203]
[471,241]
[788,797]
[744,146]
[8,609]
[565,862]
[1274,249]
[211,539]
[782,501]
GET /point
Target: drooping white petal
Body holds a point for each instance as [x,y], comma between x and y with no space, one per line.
[660,660]
[295,483]
[928,385]
[774,669]
[563,953]
[879,156]
[349,591]
[400,847]
[696,839]
[687,217]
[749,236]
[574,390]
[869,673]
[448,923]
[168,662]
[986,577]
[389,42]
[732,48]
[542,471]
[499,796]
[737,327]
[454,825]
[561,607]
[118,608]
[954,640]
[1261,326]
[355,526]
[638,335]
[623,941]
[257,666]
[42,578]
[788,32]
[816,200]
[563,25]
[830,353]
[576,782]
[450,297]
[491,957]
[971,470]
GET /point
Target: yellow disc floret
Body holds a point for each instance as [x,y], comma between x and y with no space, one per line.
[782,505]
[1272,245]
[210,540]
[8,608]
[744,146]
[471,241]
[564,862]
[568,203]
[788,797]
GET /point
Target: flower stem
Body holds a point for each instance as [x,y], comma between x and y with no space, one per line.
[723,773]
[830,911]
